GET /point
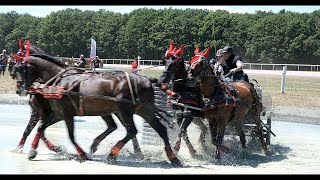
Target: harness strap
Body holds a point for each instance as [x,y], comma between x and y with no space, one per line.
[130,88]
[56,76]
[136,86]
[73,103]
[228,88]
[81,110]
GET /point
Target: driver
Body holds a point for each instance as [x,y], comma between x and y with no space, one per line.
[233,64]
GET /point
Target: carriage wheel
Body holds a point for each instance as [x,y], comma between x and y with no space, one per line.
[268,133]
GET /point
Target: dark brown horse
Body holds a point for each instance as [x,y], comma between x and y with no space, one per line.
[219,110]
[89,94]
[40,104]
[186,94]
[34,99]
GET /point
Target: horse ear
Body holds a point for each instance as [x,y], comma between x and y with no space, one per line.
[206,54]
[196,51]
[20,44]
[171,47]
[180,50]
[27,48]
[18,58]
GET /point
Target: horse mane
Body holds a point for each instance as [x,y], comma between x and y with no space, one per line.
[51,59]
[38,52]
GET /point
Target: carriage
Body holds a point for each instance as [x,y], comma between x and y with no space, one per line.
[150,137]
[266,115]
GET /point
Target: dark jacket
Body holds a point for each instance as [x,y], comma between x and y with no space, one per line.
[232,63]
[82,63]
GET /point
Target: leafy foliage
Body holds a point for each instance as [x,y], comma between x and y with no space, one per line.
[265,37]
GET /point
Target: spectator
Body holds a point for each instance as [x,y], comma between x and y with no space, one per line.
[97,62]
[81,62]
[3,61]
[11,62]
[134,66]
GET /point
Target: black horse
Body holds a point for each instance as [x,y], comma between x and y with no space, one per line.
[90,94]
[38,103]
[187,95]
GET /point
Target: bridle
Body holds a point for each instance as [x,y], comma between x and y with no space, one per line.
[22,85]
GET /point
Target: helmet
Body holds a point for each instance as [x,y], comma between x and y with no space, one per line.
[227,49]
[4,50]
[219,52]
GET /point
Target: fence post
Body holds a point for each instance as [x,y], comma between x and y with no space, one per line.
[283,78]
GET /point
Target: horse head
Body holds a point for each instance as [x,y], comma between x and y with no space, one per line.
[199,62]
[173,59]
[25,75]
[201,71]
[24,72]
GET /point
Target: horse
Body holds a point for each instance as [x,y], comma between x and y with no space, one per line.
[91,94]
[220,110]
[34,99]
[189,97]
[37,100]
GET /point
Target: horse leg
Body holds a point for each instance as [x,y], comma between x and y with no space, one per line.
[40,134]
[111,127]
[127,120]
[183,133]
[135,143]
[70,126]
[34,119]
[203,134]
[40,109]
[136,148]
[238,126]
[218,133]
[162,131]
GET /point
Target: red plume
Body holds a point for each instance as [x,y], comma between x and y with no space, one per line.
[206,54]
[27,48]
[196,51]
[20,44]
[18,58]
[180,50]
[171,47]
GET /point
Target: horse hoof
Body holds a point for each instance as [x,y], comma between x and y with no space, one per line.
[268,153]
[93,149]
[138,156]
[32,154]
[197,156]
[111,158]
[17,150]
[57,149]
[176,162]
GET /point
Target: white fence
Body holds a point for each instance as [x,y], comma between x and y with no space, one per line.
[255,66]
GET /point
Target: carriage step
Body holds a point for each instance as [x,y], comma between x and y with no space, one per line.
[250,125]
[151,135]
[158,96]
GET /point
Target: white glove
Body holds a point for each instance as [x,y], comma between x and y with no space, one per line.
[232,71]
